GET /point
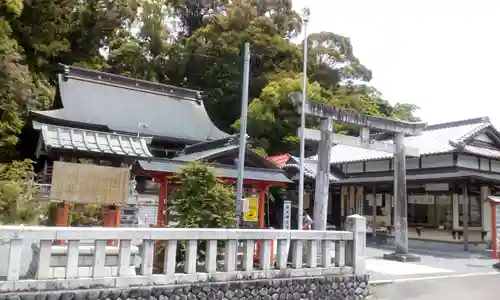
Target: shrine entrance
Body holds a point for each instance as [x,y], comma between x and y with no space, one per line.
[256,183]
[327,139]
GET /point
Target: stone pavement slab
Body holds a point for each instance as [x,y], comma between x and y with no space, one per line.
[455,261]
[457,288]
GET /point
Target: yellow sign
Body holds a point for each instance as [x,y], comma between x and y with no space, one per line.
[89,184]
[252,214]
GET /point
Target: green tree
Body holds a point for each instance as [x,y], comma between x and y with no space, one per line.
[212,61]
[405,111]
[17,189]
[16,84]
[202,200]
[189,43]
[273,120]
[333,61]
[73,32]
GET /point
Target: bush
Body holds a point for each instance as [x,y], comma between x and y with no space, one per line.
[17,191]
[202,201]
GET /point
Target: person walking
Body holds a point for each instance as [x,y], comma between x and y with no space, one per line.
[307,225]
[306,221]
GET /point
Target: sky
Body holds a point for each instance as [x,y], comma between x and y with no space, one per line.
[442,55]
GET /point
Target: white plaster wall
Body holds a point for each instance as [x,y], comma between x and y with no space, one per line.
[495,166]
[437,161]
[412,163]
[377,166]
[467,161]
[484,164]
[355,168]
[483,138]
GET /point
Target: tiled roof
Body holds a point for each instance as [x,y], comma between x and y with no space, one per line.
[93,141]
[280,160]
[227,171]
[439,138]
[212,144]
[129,105]
[481,151]
[423,177]
[220,147]
[205,154]
[310,168]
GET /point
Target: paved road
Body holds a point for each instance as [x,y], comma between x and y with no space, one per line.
[463,288]
[450,258]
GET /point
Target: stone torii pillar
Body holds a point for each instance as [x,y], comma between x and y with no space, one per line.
[327,139]
[322,182]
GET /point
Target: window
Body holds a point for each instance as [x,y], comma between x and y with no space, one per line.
[475,211]
[422,209]
[444,211]
[368,205]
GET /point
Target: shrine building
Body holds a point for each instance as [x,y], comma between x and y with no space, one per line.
[458,160]
[154,129]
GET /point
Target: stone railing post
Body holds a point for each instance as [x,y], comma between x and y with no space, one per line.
[357,225]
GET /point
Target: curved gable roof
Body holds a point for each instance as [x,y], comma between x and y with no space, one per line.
[129,105]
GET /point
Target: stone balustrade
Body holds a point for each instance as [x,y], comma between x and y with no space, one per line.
[86,260]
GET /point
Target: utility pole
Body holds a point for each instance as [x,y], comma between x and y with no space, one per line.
[243,134]
[305,21]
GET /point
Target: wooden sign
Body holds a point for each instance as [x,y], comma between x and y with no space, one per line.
[89,184]
[287,211]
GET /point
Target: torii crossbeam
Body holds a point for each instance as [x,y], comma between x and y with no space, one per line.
[327,139]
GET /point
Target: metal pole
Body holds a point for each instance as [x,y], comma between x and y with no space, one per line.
[305,21]
[243,133]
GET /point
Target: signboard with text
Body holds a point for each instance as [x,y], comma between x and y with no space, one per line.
[252,213]
[287,210]
[89,184]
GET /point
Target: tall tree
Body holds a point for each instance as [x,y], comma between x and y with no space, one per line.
[73,32]
[212,58]
[16,84]
[272,119]
[190,43]
[334,61]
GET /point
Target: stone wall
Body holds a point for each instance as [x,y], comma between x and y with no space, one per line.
[335,287]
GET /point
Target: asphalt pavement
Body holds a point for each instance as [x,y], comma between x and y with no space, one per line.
[456,288]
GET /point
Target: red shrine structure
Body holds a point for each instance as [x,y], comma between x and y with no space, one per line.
[154,129]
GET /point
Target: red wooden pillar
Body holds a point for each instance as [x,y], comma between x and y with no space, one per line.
[62,216]
[111,218]
[262,202]
[162,198]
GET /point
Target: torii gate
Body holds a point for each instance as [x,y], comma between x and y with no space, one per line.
[327,139]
